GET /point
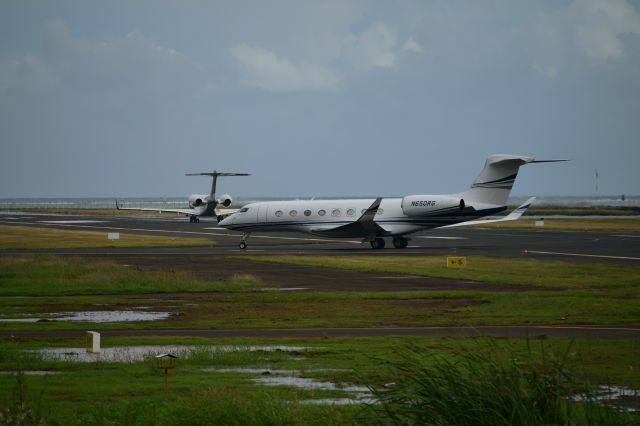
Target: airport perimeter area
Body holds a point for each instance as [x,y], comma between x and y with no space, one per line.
[300,330]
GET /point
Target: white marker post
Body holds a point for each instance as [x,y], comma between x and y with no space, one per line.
[93,342]
[113,235]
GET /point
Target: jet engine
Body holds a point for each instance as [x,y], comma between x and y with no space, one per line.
[225,200]
[422,205]
[196,200]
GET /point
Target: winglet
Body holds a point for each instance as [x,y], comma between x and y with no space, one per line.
[370,213]
[514,215]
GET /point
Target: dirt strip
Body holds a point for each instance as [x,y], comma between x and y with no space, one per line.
[626,332]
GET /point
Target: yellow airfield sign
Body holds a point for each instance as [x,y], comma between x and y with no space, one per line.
[456,262]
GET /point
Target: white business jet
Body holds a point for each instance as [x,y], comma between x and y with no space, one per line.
[200,204]
[374,219]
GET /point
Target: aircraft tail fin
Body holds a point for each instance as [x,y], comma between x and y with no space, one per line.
[496,179]
[214,174]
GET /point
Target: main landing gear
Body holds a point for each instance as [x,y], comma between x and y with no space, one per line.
[377,244]
[194,219]
[243,242]
[398,242]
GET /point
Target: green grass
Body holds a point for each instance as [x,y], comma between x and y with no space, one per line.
[581,211]
[113,393]
[26,237]
[631,224]
[56,276]
[37,285]
[516,272]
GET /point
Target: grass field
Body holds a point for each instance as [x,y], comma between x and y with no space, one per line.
[47,285]
[132,393]
[208,385]
[27,237]
[578,224]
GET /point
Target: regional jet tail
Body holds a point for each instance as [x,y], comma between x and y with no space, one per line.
[200,205]
[374,219]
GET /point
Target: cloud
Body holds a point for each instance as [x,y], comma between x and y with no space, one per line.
[339,55]
[371,48]
[600,25]
[548,71]
[591,29]
[27,74]
[266,70]
[412,46]
[129,66]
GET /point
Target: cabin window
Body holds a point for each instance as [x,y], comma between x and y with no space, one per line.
[363,211]
[335,212]
[380,212]
[307,212]
[279,213]
[243,210]
[351,212]
[321,212]
[293,213]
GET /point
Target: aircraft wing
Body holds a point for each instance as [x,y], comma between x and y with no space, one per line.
[363,227]
[514,215]
[149,209]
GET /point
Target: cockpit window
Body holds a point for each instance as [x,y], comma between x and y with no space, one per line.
[243,210]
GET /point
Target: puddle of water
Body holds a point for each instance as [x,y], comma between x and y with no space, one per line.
[358,394]
[130,354]
[621,397]
[93,316]
[31,373]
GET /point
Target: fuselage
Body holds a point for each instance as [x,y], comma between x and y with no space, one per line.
[320,217]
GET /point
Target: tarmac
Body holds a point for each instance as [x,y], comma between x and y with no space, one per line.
[574,246]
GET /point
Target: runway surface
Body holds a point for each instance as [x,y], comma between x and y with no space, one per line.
[573,246]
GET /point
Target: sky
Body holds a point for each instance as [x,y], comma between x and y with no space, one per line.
[316,98]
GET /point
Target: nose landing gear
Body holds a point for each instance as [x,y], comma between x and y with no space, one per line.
[243,242]
[194,219]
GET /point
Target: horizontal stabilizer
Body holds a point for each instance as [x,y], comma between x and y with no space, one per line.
[550,161]
[214,173]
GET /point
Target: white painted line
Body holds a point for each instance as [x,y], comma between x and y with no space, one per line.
[626,236]
[582,255]
[442,238]
[69,222]
[73,225]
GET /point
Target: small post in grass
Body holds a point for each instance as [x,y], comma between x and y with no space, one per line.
[166,362]
[93,342]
